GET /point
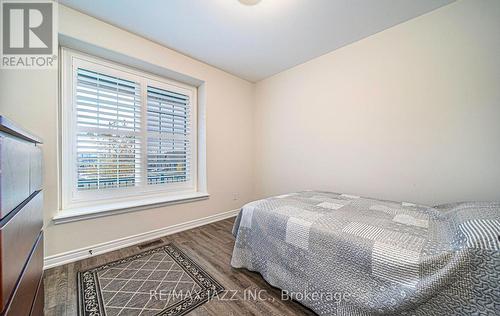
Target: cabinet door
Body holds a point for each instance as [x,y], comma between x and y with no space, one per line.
[25,293]
[37,309]
[17,238]
[14,172]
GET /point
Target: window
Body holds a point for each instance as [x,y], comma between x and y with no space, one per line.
[108,131]
[127,136]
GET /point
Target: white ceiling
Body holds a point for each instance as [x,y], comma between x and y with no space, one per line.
[255,42]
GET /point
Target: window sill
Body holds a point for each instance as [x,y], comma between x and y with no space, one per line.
[83,213]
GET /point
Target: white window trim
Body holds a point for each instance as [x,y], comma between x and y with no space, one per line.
[77,204]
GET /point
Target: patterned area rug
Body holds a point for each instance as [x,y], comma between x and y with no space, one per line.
[161,281]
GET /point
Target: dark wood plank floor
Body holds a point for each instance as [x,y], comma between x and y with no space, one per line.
[211,247]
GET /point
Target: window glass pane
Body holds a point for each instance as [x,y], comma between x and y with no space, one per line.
[169,147]
[108,115]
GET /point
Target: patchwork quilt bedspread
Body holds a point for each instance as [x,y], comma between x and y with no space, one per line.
[340,254]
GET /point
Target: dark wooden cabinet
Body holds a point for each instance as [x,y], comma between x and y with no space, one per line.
[21,222]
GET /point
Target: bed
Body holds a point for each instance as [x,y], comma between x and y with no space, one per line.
[340,254]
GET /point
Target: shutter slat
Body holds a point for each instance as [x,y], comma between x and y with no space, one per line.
[103,107]
[162,93]
[96,101]
[84,84]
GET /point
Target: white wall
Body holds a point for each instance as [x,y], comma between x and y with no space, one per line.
[30,98]
[411,113]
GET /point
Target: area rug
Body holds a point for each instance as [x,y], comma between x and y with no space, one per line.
[161,281]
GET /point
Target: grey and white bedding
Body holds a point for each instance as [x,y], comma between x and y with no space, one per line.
[345,255]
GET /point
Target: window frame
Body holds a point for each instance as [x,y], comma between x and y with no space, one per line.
[114,198]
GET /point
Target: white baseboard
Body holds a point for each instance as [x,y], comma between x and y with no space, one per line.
[86,252]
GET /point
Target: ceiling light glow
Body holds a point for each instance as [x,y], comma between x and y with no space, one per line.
[249,2]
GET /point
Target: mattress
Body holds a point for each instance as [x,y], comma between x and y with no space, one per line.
[341,254]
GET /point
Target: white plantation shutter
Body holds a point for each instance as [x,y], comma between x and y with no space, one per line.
[128,137]
[108,140]
[169,136]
